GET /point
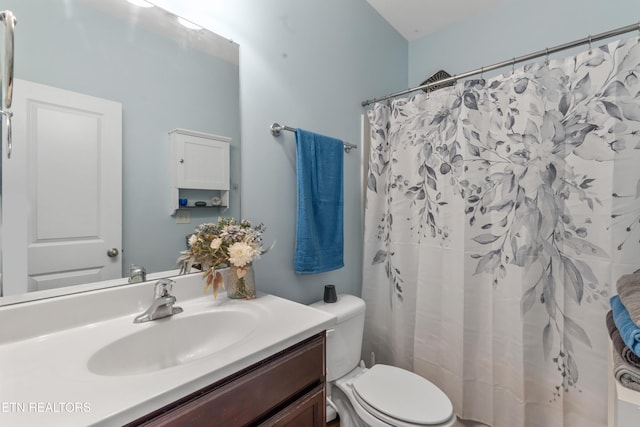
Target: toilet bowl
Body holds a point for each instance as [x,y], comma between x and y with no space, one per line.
[389,396]
[382,395]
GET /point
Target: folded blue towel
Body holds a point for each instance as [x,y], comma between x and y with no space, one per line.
[319,226]
[629,331]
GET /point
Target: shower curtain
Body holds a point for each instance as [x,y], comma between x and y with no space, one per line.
[499,216]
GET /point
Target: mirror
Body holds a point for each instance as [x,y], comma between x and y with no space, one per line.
[164,76]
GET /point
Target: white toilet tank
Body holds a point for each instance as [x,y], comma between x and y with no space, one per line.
[344,342]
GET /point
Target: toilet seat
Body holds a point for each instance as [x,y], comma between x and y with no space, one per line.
[397,397]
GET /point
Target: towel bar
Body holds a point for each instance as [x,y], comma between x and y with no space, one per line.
[276,130]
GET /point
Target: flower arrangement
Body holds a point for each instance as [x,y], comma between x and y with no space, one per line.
[225,244]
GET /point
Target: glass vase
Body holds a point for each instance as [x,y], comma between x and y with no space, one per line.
[241,287]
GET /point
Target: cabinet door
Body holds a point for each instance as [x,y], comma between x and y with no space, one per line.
[202,163]
[308,411]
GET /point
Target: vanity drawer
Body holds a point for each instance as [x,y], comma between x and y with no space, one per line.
[306,411]
[281,384]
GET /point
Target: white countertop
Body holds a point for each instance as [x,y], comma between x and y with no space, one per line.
[44,379]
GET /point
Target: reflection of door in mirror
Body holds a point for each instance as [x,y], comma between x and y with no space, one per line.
[63,193]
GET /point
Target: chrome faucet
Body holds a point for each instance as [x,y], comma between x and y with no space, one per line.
[162,305]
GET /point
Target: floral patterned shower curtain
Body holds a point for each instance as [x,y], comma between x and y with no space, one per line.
[499,215]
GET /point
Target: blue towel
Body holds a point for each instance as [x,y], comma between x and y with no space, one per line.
[629,331]
[319,226]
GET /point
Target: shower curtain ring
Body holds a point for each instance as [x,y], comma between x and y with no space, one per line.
[482,73]
[513,65]
[546,59]
[590,47]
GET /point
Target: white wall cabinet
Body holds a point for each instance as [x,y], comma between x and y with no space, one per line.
[199,161]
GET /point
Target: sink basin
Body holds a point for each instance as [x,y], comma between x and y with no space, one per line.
[172,341]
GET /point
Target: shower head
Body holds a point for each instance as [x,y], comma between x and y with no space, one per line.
[437,76]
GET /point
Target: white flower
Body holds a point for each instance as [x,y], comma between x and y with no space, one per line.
[193,239]
[241,254]
[215,243]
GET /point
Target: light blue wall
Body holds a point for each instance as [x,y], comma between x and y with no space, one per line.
[302,63]
[515,28]
[306,64]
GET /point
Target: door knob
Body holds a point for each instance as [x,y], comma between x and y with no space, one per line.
[112,253]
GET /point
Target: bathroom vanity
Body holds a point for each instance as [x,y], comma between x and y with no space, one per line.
[285,389]
[80,360]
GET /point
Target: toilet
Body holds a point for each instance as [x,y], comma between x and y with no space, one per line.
[379,396]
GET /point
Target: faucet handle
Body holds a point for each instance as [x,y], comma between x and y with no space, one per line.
[163,287]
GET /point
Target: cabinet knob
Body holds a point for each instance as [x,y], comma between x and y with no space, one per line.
[181,160]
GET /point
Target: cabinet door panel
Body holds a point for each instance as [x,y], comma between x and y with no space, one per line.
[308,411]
[203,163]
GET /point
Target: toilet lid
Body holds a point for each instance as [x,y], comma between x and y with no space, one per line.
[403,395]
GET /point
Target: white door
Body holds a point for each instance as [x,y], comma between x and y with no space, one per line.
[61,190]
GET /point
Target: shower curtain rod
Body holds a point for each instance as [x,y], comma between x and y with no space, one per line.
[513,61]
[276,130]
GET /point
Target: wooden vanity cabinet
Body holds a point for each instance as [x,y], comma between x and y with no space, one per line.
[286,389]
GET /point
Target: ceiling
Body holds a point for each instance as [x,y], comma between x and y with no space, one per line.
[414,19]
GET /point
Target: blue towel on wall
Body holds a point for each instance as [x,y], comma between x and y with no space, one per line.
[629,331]
[319,226]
